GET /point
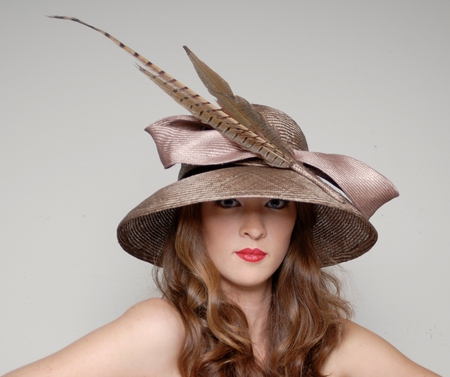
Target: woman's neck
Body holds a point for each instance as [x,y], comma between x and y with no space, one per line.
[255,303]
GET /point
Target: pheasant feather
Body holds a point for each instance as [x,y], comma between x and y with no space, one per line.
[239,108]
[248,136]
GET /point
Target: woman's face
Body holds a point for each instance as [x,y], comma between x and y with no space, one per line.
[247,238]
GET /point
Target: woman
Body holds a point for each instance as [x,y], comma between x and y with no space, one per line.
[242,238]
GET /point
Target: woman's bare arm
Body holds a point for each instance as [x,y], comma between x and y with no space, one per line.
[145,341]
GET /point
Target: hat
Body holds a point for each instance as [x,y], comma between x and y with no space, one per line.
[248,151]
[244,150]
[214,168]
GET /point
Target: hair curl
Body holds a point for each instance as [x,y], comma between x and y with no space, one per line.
[306,315]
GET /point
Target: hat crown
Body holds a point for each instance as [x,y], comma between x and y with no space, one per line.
[287,128]
[290,132]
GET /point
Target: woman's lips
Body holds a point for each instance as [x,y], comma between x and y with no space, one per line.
[251,255]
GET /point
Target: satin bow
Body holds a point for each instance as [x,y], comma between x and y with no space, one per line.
[183,139]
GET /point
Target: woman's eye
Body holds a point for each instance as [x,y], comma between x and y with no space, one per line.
[228,203]
[277,203]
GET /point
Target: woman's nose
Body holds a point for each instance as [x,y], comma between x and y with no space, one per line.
[253,225]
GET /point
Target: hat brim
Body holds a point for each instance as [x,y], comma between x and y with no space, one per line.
[341,233]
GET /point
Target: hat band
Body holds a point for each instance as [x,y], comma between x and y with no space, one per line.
[182,139]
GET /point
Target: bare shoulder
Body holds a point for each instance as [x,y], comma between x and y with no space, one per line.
[155,315]
[362,353]
[156,323]
[144,341]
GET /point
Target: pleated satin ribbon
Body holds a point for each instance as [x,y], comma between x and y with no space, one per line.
[183,139]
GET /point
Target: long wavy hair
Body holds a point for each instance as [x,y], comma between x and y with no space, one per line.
[306,314]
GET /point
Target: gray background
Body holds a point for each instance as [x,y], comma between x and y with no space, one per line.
[367,79]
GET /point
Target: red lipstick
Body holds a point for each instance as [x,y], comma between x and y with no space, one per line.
[251,255]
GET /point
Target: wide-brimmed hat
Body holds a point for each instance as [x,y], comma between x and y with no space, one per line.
[214,168]
[244,150]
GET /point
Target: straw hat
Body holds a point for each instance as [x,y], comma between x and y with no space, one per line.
[245,150]
[214,168]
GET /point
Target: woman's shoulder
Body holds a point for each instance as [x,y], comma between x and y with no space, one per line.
[362,353]
[145,341]
[158,319]
[156,327]
[154,314]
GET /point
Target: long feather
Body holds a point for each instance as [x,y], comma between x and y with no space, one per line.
[238,107]
[203,109]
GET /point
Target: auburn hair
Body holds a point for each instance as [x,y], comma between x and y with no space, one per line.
[306,314]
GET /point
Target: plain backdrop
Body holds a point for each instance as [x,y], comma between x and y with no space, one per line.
[369,79]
